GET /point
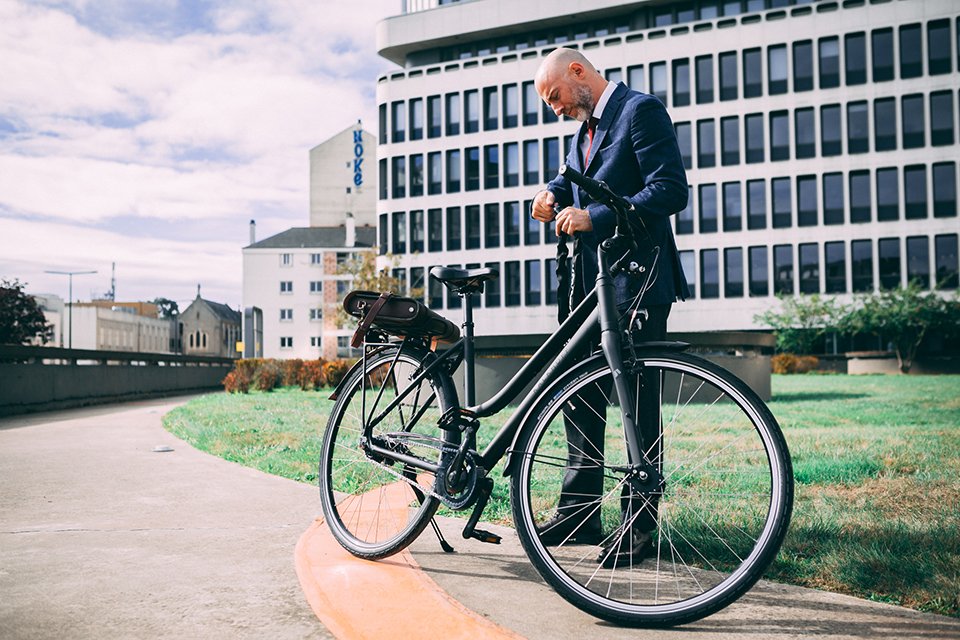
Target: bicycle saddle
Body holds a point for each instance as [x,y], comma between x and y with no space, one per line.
[464,280]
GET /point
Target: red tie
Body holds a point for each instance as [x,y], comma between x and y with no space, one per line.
[591,129]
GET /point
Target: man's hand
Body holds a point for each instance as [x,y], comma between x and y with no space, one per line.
[543,204]
[570,220]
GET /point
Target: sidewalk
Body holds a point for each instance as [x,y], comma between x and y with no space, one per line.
[100,537]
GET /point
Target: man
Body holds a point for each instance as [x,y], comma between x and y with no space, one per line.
[627,140]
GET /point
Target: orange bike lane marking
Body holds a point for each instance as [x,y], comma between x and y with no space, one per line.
[391,598]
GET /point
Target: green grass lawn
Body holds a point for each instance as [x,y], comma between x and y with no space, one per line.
[876,461]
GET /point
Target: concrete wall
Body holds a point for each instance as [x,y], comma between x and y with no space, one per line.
[38,379]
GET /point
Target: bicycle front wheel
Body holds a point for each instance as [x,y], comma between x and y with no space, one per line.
[376,506]
[670,556]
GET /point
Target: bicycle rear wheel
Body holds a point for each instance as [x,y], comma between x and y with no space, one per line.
[709,533]
[375,507]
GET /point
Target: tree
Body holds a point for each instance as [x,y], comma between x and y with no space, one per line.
[166,308]
[802,321]
[905,316]
[21,319]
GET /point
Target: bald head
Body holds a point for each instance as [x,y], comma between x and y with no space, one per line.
[569,83]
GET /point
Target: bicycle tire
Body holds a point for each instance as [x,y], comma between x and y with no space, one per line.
[720,521]
[375,508]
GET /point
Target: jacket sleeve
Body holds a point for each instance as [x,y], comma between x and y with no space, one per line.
[660,169]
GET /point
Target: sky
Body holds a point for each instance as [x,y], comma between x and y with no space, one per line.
[148,133]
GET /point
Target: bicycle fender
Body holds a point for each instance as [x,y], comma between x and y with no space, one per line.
[540,404]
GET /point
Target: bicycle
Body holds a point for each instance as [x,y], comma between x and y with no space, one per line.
[717,478]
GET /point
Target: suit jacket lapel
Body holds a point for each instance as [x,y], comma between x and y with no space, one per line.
[610,112]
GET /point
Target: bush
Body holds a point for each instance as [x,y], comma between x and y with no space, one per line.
[334,371]
[311,375]
[790,363]
[291,372]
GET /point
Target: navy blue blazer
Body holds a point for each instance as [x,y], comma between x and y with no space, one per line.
[635,152]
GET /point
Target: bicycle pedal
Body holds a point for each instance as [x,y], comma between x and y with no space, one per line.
[485,536]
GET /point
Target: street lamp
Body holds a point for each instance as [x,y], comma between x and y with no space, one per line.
[70,274]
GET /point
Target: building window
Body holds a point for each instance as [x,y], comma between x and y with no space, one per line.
[490,109]
[635,77]
[416,119]
[471,111]
[860,196]
[685,143]
[708,208]
[918,261]
[416,231]
[286,286]
[511,106]
[532,280]
[911,52]
[316,314]
[399,121]
[803,66]
[805,135]
[753,123]
[938,47]
[752,73]
[733,272]
[835,267]
[551,158]
[709,273]
[782,213]
[399,177]
[511,164]
[728,75]
[511,283]
[511,224]
[833,198]
[881,47]
[809,267]
[453,113]
[777,69]
[888,194]
[399,232]
[531,162]
[491,289]
[756,204]
[687,259]
[416,175]
[783,269]
[658,80]
[915,192]
[730,141]
[704,79]
[286,315]
[855,58]
[806,201]
[472,169]
[706,144]
[885,124]
[759,284]
[944,190]
[779,136]
[861,266]
[491,222]
[286,342]
[681,82]
[491,166]
[888,251]
[912,125]
[945,247]
[316,287]
[531,103]
[732,207]
[941,118]
[830,137]
[454,229]
[435,230]
[829,62]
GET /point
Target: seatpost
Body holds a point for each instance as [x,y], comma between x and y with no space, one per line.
[468,379]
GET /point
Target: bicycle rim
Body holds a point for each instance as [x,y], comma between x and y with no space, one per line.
[373,506]
[719,522]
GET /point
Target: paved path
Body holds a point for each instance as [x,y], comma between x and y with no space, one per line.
[100,537]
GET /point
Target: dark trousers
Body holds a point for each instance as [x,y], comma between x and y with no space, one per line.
[585,423]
